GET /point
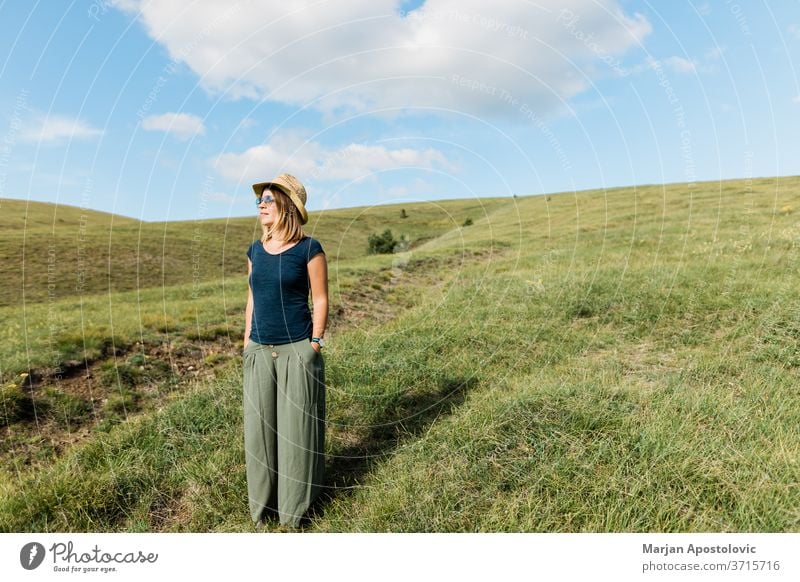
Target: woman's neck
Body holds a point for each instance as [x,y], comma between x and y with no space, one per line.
[281,238]
[277,237]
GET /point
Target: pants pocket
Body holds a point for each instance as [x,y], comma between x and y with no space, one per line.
[312,355]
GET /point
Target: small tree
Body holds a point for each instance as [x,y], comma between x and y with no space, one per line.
[468,222]
[403,213]
[382,243]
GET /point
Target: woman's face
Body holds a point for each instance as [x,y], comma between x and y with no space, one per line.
[267,211]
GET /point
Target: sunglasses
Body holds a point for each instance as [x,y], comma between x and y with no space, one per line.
[266,199]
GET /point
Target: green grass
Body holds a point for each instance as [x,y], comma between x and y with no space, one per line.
[610,361]
[49,253]
[116,282]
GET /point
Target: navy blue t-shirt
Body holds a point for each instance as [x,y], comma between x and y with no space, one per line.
[280,287]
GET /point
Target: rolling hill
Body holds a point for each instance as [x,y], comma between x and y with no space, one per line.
[609,360]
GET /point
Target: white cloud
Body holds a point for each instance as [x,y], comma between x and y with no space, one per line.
[679,64]
[794,30]
[704,9]
[675,64]
[796,99]
[182,125]
[57,128]
[314,162]
[365,54]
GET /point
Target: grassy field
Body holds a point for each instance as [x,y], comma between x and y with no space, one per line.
[621,360]
[53,252]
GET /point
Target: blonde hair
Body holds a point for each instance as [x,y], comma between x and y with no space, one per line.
[287,220]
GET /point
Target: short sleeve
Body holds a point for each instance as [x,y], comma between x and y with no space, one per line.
[250,251]
[314,248]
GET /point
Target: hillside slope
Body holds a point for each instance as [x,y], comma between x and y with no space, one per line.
[50,252]
[622,360]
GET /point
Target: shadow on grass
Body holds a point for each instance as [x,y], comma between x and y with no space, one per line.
[410,415]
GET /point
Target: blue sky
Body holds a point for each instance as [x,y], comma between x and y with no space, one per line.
[163,110]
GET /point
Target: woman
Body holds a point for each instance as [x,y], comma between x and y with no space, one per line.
[284,371]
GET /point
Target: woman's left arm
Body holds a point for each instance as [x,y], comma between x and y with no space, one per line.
[318,276]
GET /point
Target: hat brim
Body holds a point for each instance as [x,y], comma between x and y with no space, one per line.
[259,188]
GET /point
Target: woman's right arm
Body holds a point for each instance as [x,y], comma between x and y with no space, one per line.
[248,312]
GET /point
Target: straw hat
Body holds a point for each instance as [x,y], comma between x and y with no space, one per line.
[290,186]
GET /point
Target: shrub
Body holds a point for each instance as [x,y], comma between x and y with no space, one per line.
[468,222]
[382,243]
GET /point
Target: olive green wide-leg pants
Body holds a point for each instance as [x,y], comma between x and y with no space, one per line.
[284,428]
